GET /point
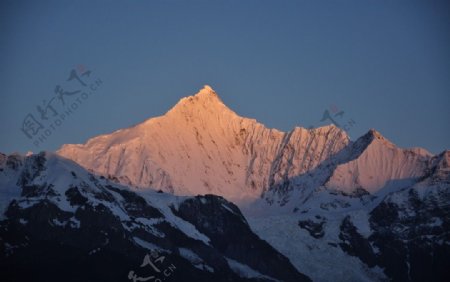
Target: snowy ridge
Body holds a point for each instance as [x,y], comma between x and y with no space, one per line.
[57,176]
[380,163]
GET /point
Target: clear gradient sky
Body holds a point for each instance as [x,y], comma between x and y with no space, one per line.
[386,64]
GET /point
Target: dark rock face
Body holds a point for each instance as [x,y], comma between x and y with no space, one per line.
[355,244]
[92,230]
[33,166]
[410,235]
[12,161]
[136,205]
[75,197]
[315,229]
[231,235]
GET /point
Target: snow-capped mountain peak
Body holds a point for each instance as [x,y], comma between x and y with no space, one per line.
[201,146]
[375,133]
[374,136]
[377,163]
[206,101]
[206,91]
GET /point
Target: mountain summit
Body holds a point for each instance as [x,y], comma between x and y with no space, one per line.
[206,97]
[205,105]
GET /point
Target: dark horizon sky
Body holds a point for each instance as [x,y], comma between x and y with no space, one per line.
[384,64]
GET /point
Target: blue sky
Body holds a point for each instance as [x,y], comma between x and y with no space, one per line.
[386,64]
